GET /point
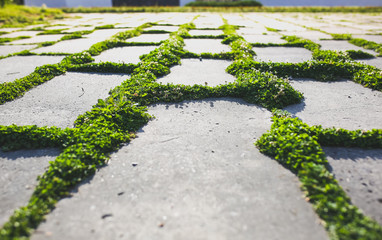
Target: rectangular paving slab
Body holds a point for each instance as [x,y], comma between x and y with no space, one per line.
[10,49]
[149,38]
[210,73]
[342,104]
[358,171]
[59,101]
[124,54]
[205,46]
[79,45]
[18,177]
[282,54]
[16,67]
[192,173]
[39,39]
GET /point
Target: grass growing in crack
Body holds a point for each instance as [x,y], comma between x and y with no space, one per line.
[112,122]
[297,147]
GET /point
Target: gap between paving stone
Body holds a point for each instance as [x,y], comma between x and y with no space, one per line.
[209,72]
[358,171]
[205,46]
[18,174]
[282,54]
[59,101]
[342,104]
[191,173]
[124,54]
[16,67]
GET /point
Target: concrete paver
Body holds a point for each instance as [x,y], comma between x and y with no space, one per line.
[210,73]
[18,177]
[359,173]
[149,38]
[197,175]
[193,172]
[282,54]
[11,70]
[341,45]
[205,46]
[124,54]
[10,49]
[342,104]
[59,101]
[38,39]
[205,32]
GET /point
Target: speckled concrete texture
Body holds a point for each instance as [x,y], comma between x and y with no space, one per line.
[342,104]
[192,173]
[359,173]
[11,69]
[18,177]
[210,73]
[59,101]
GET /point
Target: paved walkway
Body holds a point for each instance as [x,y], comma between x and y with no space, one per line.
[193,172]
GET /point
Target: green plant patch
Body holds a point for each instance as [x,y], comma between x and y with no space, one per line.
[366,75]
[11,90]
[367,44]
[273,29]
[155,32]
[297,147]
[337,36]
[113,121]
[74,35]
[108,26]
[106,67]
[358,55]
[46,44]
[221,36]
[52,31]
[5,40]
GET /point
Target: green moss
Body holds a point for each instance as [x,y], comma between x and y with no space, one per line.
[297,147]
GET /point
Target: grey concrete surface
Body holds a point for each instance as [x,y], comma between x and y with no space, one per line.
[12,70]
[192,173]
[376,62]
[342,104]
[39,39]
[205,32]
[341,45]
[149,38]
[124,54]
[205,46]
[19,34]
[359,173]
[59,101]
[8,49]
[373,38]
[261,38]
[210,73]
[282,54]
[18,177]
[165,28]
[79,45]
